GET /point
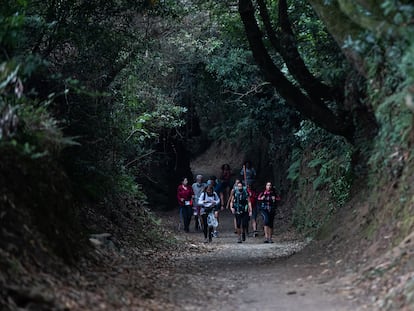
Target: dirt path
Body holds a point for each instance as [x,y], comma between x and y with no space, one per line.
[222,275]
[225,275]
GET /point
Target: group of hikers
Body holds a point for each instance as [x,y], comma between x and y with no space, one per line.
[205,200]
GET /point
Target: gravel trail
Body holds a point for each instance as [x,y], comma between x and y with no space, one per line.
[225,275]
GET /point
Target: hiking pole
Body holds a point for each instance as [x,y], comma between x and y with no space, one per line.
[244,173]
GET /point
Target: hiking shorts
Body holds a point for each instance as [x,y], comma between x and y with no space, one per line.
[255,212]
[268,217]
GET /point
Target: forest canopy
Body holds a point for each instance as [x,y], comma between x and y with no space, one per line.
[122,95]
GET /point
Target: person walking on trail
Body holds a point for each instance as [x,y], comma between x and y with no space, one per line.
[225,184]
[229,200]
[241,207]
[185,195]
[198,188]
[253,201]
[216,188]
[208,201]
[248,173]
[267,200]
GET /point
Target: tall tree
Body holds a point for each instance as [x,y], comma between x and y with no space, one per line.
[312,98]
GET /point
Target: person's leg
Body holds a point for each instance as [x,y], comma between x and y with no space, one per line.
[210,233]
[254,221]
[205,226]
[195,214]
[224,195]
[186,215]
[216,214]
[180,217]
[227,193]
[271,221]
[238,227]
[199,219]
[222,200]
[267,232]
[265,215]
[195,223]
[245,225]
[190,216]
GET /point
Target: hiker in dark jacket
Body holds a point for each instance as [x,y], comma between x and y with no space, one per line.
[241,207]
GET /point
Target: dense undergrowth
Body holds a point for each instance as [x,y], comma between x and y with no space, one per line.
[102,107]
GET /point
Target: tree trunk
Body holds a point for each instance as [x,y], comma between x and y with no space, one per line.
[285,45]
[311,109]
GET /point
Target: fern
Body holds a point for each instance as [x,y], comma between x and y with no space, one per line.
[294,168]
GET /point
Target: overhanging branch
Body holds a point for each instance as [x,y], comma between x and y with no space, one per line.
[315,111]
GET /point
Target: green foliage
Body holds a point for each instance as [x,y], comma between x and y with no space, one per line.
[63,69]
[387,54]
[390,61]
[25,122]
[147,112]
[234,68]
[129,93]
[313,37]
[407,64]
[323,173]
[12,18]
[311,214]
[295,164]
[391,144]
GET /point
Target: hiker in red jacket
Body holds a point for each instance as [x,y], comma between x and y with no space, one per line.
[267,202]
[185,196]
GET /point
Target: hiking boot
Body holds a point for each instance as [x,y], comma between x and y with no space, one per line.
[270,241]
[244,236]
[255,233]
[205,240]
[266,241]
[239,240]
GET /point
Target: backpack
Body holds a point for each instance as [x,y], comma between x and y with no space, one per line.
[241,201]
[209,209]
